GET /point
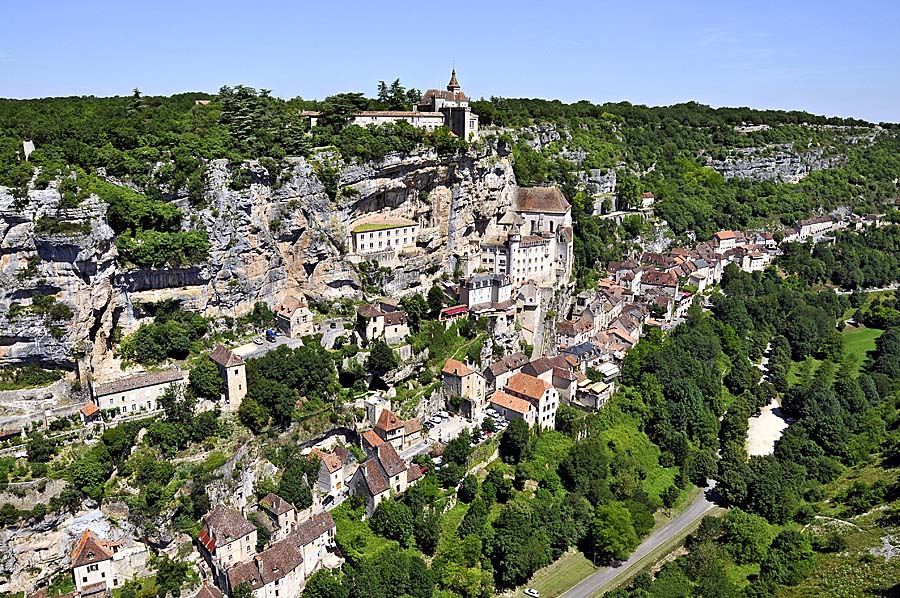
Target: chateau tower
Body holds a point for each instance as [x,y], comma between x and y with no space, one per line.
[454,84]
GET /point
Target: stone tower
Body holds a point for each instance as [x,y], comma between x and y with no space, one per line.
[234,373]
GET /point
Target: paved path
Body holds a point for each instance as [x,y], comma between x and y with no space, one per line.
[602,578]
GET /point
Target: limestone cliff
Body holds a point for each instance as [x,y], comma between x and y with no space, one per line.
[264,240]
[774,163]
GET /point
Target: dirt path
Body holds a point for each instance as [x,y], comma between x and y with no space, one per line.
[765,430]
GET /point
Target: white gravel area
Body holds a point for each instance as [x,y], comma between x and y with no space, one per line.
[765,430]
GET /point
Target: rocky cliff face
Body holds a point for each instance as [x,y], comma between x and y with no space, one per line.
[773,163]
[264,241]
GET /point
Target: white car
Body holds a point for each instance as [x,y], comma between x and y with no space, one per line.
[532,593]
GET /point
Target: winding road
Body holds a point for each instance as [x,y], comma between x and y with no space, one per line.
[602,578]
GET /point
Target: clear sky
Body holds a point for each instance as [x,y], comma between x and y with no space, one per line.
[827,57]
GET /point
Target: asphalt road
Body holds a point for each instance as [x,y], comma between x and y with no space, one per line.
[602,578]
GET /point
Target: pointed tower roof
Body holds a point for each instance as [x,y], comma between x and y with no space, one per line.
[454,84]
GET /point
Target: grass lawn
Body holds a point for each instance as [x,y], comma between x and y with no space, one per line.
[449,525]
[557,577]
[364,228]
[857,342]
[353,536]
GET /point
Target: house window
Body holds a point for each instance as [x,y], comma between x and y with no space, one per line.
[84,579]
[93,567]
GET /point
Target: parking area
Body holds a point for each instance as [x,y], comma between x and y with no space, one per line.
[449,428]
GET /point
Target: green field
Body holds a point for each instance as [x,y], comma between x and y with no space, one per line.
[857,342]
[561,575]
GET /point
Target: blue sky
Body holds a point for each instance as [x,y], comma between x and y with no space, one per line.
[827,57]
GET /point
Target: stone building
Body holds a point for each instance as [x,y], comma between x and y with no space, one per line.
[134,394]
[485,288]
[234,374]
[226,539]
[373,324]
[333,469]
[454,105]
[294,318]
[276,572]
[377,234]
[282,516]
[92,561]
[384,473]
[542,395]
[459,380]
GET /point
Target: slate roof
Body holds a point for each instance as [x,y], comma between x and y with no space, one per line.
[549,200]
[275,504]
[313,528]
[224,357]
[90,549]
[138,381]
[371,473]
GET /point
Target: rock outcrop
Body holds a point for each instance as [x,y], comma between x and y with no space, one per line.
[265,240]
[774,163]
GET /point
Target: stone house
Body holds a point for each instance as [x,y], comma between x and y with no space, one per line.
[281,514]
[315,539]
[573,332]
[542,395]
[459,380]
[226,539]
[401,434]
[294,318]
[378,234]
[92,564]
[134,394]
[485,288]
[728,239]
[382,474]
[276,572]
[332,469]
[498,373]
[511,407]
[373,324]
[233,371]
[555,370]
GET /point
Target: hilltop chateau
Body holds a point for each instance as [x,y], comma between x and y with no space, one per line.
[437,108]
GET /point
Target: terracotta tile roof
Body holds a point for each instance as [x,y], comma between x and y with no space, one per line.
[388,421]
[138,381]
[389,459]
[245,573]
[342,452]
[225,525]
[275,504]
[331,461]
[94,588]
[549,200]
[457,368]
[224,357]
[570,328]
[647,195]
[501,399]
[289,306]
[508,363]
[372,438]
[727,234]
[657,278]
[90,549]
[527,386]
[90,409]
[313,528]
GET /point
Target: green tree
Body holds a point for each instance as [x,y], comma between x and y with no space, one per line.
[416,309]
[324,583]
[515,441]
[205,379]
[746,536]
[790,559]
[170,576]
[393,519]
[243,590]
[612,536]
[469,489]
[382,358]
[253,415]
[435,300]
[293,486]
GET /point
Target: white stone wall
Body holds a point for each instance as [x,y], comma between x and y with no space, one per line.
[134,401]
[397,238]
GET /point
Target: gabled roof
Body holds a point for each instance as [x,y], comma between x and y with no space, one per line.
[313,528]
[208,591]
[501,399]
[90,409]
[508,363]
[527,386]
[413,473]
[372,438]
[371,473]
[90,549]
[388,421]
[657,278]
[275,504]
[394,318]
[289,306]
[224,357]
[548,200]
[268,566]
[331,461]
[222,526]
[457,368]
[138,381]
[389,459]
[369,311]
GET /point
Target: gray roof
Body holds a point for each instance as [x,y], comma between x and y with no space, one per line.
[139,381]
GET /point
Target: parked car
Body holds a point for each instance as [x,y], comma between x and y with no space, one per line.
[532,593]
[435,419]
[443,414]
[493,413]
[257,341]
[327,500]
